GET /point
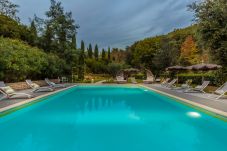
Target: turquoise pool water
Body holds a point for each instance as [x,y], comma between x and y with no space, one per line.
[111,118]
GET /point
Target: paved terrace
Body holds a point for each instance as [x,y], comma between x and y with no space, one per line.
[9,102]
[206,100]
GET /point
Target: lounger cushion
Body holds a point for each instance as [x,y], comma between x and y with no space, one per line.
[34,85]
[7,90]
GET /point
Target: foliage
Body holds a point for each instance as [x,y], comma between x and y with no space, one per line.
[103,55]
[189,52]
[20,61]
[157,53]
[12,29]
[81,64]
[114,68]
[197,77]
[211,17]
[96,53]
[90,53]
[9,9]
[82,47]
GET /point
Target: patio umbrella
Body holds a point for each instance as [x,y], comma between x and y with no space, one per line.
[204,67]
[177,69]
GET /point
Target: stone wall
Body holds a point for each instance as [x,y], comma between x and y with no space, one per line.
[23,85]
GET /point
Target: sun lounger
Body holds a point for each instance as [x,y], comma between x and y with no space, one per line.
[150,78]
[120,80]
[36,88]
[221,91]
[198,89]
[171,84]
[54,85]
[165,82]
[184,86]
[10,93]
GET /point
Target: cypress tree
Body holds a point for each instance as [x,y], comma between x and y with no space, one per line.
[109,58]
[74,45]
[33,34]
[96,52]
[82,47]
[103,54]
[90,53]
[81,65]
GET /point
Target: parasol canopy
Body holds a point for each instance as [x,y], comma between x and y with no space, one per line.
[176,68]
[204,67]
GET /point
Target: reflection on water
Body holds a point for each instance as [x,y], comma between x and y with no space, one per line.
[111,119]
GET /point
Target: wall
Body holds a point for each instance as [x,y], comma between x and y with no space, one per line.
[23,85]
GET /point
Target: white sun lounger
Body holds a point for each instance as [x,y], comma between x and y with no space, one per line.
[54,85]
[36,88]
[10,93]
[165,82]
[171,84]
[120,80]
[221,91]
[199,88]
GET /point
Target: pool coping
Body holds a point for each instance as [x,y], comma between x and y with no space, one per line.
[31,100]
[218,113]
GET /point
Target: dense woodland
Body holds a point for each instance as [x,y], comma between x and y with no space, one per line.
[48,48]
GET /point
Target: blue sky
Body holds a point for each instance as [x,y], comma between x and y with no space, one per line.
[116,23]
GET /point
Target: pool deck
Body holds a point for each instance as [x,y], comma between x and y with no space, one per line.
[7,104]
[205,101]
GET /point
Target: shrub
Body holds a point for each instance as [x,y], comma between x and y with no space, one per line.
[20,61]
[197,77]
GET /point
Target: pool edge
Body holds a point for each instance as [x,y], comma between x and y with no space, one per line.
[17,106]
[203,108]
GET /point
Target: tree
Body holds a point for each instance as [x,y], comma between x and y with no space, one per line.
[103,54]
[167,55]
[33,34]
[47,39]
[189,53]
[63,26]
[74,45]
[82,47]
[96,53]
[9,9]
[109,56]
[90,53]
[81,65]
[211,17]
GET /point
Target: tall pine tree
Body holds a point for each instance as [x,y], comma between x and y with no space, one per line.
[90,53]
[103,54]
[33,34]
[96,52]
[82,47]
[109,57]
[74,45]
[81,65]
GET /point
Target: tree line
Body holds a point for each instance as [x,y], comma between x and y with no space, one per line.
[55,38]
[203,42]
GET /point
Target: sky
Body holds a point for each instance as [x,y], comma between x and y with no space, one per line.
[116,23]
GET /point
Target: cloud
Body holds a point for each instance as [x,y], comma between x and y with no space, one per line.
[117,23]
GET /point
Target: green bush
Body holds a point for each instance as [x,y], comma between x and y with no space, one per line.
[197,77]
[20,61]
[139,76]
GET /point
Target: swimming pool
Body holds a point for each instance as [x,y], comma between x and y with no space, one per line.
[111,118]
